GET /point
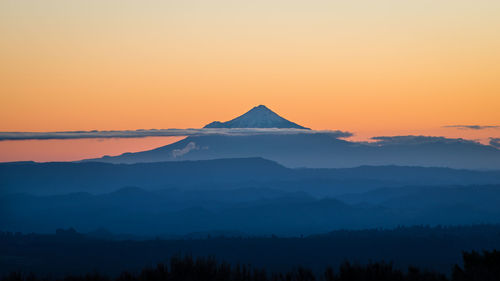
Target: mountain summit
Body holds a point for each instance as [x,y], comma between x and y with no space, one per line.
[257,117]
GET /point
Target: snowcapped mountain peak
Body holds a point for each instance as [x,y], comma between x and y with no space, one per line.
[261,107]
[258,117]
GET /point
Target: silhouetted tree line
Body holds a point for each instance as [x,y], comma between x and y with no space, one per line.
[67,251]
[476,267]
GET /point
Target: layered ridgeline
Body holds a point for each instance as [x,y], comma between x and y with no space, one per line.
[223,174]
[310,148]
[253,196]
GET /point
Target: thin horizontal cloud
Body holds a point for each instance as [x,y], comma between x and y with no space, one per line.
[415,140]
[472,127]
[161,133]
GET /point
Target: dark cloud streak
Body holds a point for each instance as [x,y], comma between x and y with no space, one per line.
[414,140]
[472,127]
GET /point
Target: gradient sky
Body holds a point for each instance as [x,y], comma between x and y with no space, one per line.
[370,67]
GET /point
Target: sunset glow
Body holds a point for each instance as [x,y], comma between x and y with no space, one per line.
[368,67]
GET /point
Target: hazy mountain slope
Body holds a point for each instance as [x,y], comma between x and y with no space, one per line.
[263,211]
[321,151]
[65,177]
[317,149]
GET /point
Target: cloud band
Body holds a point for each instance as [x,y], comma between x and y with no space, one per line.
[161,133]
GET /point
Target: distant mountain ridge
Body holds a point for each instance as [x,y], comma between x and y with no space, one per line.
[98,177]
[321,150]
[295,146]
[257,117]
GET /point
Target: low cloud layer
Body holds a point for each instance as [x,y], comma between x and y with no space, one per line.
[472,127]
[160,133]
[413,140]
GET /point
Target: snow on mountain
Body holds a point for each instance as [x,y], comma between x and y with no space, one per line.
[258,117]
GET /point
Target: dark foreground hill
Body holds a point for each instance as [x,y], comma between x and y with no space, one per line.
[438,248]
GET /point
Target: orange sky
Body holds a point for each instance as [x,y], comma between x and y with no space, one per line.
[371,67]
